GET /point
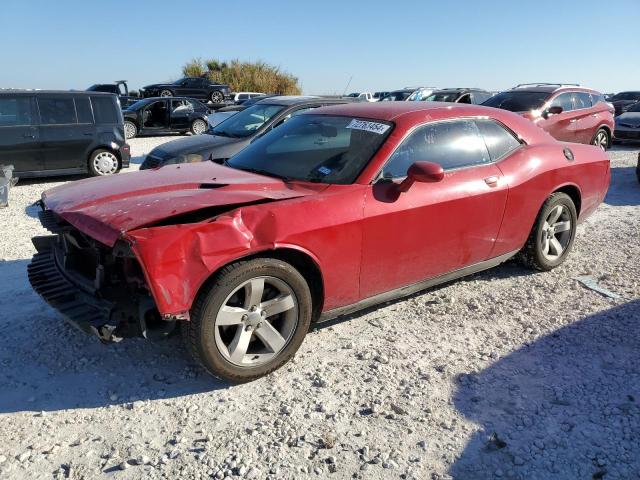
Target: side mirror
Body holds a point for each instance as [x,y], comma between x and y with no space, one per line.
[552,111]
[424,172]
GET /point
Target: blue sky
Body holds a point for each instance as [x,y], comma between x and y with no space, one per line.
[384,45]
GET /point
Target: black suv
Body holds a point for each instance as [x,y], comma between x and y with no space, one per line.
[459,95]
[236,132]
[193,87]
[46,133]
[120,88]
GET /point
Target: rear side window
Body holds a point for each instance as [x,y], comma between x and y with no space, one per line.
[564,100]
[452,144]
[582,100]
[83,110]
[104,110]
[500,142]
[596,98]
[56,110]
[15,111]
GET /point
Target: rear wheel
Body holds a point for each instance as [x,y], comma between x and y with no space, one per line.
[250,320]
[103,162]
[166,93]
[130,129]
[553,233]
[601,139]
[198,126]
[216,96]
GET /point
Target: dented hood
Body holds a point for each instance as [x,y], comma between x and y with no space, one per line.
[106,207]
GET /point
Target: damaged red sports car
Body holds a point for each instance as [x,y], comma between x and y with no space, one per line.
[334,211]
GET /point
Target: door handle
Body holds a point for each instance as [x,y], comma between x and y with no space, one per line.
[492,181]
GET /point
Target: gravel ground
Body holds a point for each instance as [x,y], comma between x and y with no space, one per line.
[506,374]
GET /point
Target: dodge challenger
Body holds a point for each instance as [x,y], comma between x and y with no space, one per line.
[339,209]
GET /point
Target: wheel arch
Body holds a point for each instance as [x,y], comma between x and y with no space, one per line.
[107,148]
[299,258]
[607,129]
[574,193]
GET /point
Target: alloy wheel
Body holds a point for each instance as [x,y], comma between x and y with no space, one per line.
[556,233]
[105,163]
[217,97]
[256,321]
[166,93]
[130,130]
[601,140]
[199,127]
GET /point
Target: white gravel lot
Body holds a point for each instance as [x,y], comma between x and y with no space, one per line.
[506,374]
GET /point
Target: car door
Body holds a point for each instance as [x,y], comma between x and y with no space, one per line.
[19,134]
[561,126]
[180,115]
[587,116]
[433,228]
[64,141]
[155,116]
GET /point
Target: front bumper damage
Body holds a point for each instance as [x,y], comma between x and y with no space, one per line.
[90,286]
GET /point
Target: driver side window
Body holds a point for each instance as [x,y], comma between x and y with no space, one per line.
[453,144]
[564,100]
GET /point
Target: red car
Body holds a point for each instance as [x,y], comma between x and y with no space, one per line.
[336,210]
[570,113]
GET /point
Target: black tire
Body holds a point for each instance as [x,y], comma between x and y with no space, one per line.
[95,165]
[196,124]
[532,254]
[199,333]
[602,139]
[216,96]
[130,130]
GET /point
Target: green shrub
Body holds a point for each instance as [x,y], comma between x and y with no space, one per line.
[244,76]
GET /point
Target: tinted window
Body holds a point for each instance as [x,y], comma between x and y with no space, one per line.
[442,97]
[582,100]
[626,96]
[104,110]
[316,148]
[500,142]
[56,110]
[451,144]
[564,100]
[15,111]
[517,101]
[247,122]
[104,88]
[83,110]
[634,108]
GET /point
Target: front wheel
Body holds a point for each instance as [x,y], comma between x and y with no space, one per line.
[601,139]
[553,233]
[130,129]
[103,162]
[198,126]
[166,93]
[216,96]
[250,320]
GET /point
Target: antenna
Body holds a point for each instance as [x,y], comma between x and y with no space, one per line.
[348,83]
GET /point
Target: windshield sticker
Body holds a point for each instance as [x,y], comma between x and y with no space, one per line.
[374,127]
[324,170]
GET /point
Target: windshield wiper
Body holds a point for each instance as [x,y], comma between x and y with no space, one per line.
[263,172]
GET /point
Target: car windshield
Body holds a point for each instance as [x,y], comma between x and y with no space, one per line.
[396,97]
[517,101]
[246,122]
[442,97]
[178,82]
[625,96]
[315,148]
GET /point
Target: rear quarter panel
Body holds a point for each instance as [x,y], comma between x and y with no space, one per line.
[535,172]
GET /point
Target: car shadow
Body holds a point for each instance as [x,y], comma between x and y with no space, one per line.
[624,189]
[47,365]
[564,406]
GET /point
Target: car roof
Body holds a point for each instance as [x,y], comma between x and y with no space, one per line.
[551,88]
[286,100]
[460,90]
[25,91]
